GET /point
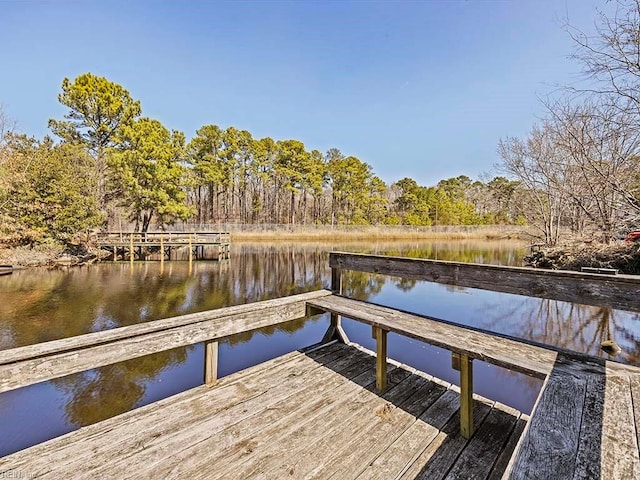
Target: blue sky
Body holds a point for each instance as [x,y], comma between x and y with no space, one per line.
[420,89]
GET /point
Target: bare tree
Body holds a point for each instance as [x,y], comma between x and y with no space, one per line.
[611,57]
[538,165]
[600,144]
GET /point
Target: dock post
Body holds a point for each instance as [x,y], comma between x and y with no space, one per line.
[161,249]
[381,358]
[335,330]
[190,249]
[466,395]
[210,362]
[115,253]
[131,248]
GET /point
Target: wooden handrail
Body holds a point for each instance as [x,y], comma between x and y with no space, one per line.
[466,343]
[619,292]
[31,364]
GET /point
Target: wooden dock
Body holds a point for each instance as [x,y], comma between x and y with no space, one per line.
[165,245]
[337,411]
[304,415]
[6,269]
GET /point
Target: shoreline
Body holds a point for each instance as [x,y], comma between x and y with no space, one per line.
[624,257]
[53,256]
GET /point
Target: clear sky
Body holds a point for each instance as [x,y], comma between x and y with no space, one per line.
[414,88]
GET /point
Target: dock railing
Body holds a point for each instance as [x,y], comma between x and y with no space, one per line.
[126,237]
[23,366]
[468,343]
[562,370]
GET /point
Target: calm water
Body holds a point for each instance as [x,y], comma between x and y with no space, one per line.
[42,305]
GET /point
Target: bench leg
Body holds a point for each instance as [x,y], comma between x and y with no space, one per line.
[466,396]
[210,362]
[381,358]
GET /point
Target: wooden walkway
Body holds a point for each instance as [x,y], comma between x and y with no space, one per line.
[303,415]
[141,245]
[336,411]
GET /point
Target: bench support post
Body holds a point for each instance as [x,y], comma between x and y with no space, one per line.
[466,395]
[381,358]
[210,362]
[335,331]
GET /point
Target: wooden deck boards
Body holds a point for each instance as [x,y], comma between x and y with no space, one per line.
[305,415]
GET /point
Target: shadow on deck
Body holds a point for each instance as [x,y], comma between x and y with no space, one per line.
[303,415]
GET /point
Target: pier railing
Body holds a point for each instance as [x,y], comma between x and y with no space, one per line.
[568,375]
[468,343]
[31,364]
[125,237]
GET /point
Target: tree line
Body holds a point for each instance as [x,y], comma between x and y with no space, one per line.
[578,168]
[112,167]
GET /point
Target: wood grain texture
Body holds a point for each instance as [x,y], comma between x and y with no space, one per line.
[381,359]
[618,291]
[550,445]
[392,461]
[515,354]
[210,362]
[311,415]
[177,412]
[466,396]
[84,354]
[504,352]
[502,461]
[619,447]
[634,382]
[439,456]
[477,459]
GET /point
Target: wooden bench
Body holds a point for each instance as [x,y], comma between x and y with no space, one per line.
[567,432]
[585,421]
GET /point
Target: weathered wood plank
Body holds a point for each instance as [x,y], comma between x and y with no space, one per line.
[588,460]
[98,338]
[142,433]
[348,449]
[634,381]
[608,443]
[618,292]
[230,441]
[381,359]
[503,352]
[500,466]
[151,419]
[238,387]
[293,457]
[210,362]
[394,460]
[73,360]
[439,455]
[618,448]
[554,427]
[477,459]
[233,448]
[466,396]
[515,354]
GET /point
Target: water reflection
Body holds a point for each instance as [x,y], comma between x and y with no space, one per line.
[43,305]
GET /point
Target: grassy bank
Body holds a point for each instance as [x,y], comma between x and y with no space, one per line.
[375,233]
[50,255]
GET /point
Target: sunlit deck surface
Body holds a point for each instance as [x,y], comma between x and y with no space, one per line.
[311,414]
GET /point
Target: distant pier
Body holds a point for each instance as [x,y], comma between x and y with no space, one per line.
[166,245]
[6,269]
